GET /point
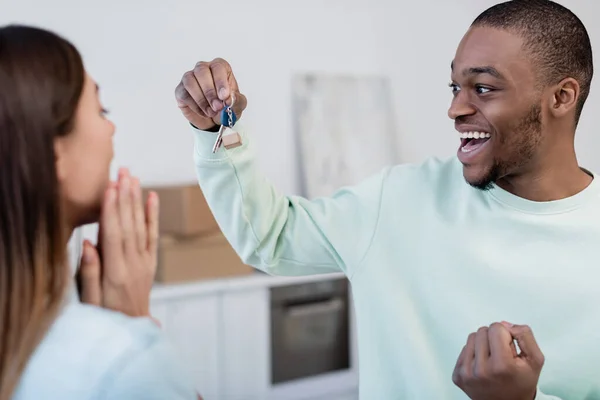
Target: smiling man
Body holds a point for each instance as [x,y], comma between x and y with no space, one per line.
[438,265]
[520,78]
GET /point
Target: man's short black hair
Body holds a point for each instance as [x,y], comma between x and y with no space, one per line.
[553,35]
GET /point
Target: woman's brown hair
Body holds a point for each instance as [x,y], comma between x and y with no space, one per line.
[41,80]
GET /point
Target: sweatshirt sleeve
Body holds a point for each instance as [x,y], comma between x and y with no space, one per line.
[285,235]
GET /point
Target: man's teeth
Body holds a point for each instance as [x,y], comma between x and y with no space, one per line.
[474,135]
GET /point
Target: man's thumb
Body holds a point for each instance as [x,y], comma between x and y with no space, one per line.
[527,343]
[240,104]
[89,276]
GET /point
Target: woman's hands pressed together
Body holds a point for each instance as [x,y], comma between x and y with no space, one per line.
[118,273]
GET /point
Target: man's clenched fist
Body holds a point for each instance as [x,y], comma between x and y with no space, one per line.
[490,368]
[202,92]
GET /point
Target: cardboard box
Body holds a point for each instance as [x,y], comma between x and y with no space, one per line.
[184,259]
[183,210]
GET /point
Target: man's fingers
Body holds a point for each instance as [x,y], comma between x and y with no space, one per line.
[204,77]
[240,102]
[90,276]
[139,216]
[456,374]
[500,340]
[221,73]
[198,103]
[185,101]
[482,350]
[469,358]
[204,91]
[527,343]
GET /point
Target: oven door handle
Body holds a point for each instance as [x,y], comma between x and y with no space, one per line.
[302,310]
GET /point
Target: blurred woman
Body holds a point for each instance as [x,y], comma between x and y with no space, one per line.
[55,153]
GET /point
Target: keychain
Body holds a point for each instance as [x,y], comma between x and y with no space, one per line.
[228,119]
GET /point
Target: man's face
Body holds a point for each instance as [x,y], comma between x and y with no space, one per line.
[496,106]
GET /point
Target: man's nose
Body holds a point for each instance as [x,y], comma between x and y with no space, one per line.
[460,107]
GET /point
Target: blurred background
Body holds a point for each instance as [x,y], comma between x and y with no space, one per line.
[336,90]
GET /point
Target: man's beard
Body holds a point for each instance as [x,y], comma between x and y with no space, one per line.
[529,130]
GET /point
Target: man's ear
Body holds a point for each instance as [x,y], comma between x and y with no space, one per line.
[564,97]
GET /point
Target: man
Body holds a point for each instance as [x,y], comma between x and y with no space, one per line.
[432,258]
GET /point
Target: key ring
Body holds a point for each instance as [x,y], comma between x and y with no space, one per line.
[229,110]
[232,101]
[228,119]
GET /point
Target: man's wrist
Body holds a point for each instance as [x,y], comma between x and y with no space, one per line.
[214,128]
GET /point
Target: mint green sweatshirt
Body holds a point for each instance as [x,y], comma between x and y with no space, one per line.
[430,260]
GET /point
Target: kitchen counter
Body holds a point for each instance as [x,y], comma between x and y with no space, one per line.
[231,284]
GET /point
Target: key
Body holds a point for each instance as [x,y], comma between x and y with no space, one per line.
[219,140]
[228,120]
[232,139]
[224,124]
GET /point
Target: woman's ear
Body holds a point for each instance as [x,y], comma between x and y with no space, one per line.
[60,153]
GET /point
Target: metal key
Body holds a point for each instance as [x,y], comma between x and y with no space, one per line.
[228,119]
[219,140]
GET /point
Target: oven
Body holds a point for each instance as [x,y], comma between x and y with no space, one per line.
[310,329]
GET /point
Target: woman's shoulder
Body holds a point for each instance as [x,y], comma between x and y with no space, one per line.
[94,353]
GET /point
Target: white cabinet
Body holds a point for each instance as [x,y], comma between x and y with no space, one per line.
[192,324]
[246,352]
[222,332]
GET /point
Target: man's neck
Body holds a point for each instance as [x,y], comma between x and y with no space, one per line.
[559,181]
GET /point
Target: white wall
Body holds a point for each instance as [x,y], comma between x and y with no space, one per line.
[137,51]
